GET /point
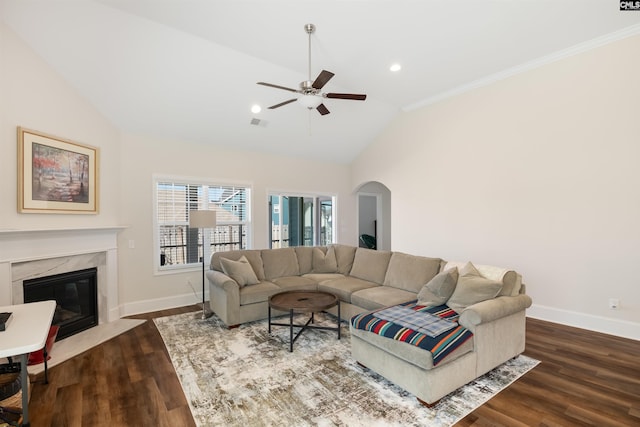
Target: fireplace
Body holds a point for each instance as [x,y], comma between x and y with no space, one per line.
[75,293]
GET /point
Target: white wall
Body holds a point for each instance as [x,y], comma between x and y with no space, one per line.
[538,172]
[142,157]
[35,97]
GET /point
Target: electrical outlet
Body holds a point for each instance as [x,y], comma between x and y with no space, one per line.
[132,244]
[614,303]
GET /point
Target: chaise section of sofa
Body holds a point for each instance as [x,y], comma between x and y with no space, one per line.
[498,327]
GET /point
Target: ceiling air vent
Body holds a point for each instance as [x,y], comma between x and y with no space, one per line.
[258,122]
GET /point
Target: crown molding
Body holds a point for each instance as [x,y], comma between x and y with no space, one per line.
[527,66]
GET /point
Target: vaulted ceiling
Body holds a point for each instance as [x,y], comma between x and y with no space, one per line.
[186,70]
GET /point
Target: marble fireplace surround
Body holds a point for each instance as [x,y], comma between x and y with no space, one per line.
[29,254]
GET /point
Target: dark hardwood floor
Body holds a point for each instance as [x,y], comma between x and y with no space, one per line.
[585,378]
[126,381]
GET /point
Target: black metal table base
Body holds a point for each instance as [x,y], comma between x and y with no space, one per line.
[307,325]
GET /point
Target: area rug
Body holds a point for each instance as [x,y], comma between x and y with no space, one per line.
[246,377]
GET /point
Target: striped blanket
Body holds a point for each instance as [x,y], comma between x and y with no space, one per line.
[440,346]
[419,321]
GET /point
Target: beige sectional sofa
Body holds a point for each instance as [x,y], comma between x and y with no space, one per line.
[241,282]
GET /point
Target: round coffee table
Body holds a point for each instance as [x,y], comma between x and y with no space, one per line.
[303,302]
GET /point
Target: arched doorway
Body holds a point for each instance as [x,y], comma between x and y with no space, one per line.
[374,215]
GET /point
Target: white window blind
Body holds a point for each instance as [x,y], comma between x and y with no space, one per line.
[179,245]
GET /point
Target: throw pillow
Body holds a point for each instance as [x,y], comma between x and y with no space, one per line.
[240,271]
[472,288]
[439,289]
[324,262]
[469,270]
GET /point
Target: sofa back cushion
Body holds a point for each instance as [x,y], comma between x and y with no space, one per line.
[253,256]
[410,272]
[511,280]
[344,256]
[371,265]
[305,258]
[280,263]
[324,260]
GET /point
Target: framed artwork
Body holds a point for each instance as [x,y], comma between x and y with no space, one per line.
[56,175]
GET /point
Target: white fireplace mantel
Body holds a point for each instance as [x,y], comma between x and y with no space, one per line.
[22,246]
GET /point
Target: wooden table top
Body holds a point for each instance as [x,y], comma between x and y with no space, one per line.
[303,301]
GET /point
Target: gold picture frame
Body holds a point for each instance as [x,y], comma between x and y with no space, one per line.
[56,175]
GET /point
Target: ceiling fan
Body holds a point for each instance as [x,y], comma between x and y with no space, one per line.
[310,90]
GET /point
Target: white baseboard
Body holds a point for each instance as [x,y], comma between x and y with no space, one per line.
[606,325]
[146,306]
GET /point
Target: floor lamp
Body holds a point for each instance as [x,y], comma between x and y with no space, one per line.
[202,220]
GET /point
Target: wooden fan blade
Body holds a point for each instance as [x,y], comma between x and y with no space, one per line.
[322,109]
[277,87]
[351,96]
[322,79]
[283,103]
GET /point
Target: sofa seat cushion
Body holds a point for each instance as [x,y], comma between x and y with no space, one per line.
[380,296]
[414,347]
[258,293]
[279,263]
[343,288]
[321,277]
[410,272]
[409,353]
[300,283]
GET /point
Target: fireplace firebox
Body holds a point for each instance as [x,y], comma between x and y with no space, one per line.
[76,299]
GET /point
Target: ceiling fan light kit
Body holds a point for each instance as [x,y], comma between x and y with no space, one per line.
[310,101]
[310,89]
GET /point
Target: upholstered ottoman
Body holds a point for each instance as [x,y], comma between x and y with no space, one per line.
[430,367]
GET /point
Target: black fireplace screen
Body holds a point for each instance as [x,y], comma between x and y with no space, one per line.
[75,294]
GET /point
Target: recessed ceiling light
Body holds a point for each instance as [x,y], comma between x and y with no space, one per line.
[255,109]
[395,67]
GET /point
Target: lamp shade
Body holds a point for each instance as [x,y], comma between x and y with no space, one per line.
[310,101]
[202,219]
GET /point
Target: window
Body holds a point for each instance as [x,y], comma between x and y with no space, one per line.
[298,220]
[177,245]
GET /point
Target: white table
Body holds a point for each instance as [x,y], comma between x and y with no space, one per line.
[26,332]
